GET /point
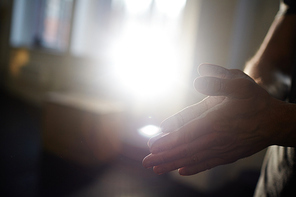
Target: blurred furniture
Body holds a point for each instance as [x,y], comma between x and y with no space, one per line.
[80,129]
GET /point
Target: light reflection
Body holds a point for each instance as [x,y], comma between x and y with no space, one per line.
[145,55]
[149,130]
[145,62]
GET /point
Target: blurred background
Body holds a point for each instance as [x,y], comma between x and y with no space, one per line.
[85,83]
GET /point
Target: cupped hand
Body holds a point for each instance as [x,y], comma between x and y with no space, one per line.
[233,122]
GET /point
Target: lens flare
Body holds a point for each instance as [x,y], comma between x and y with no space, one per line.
[149,130]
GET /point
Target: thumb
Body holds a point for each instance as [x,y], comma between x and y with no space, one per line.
[212,86]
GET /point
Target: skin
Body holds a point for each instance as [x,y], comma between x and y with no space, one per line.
[271,67]
[226,129]
[241,115]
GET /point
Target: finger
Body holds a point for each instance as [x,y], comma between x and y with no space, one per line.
[238,88]
[189,113]
[155,138]
[183,151]
[219,157]
[185,135]
[212,70]
[205,165]
[195,159]
[216,141]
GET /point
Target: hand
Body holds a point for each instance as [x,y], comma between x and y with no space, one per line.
[232,123]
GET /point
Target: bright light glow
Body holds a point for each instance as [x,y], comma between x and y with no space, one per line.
[145,54]
[149,130]
[145,62]
[137,6]
[169,7]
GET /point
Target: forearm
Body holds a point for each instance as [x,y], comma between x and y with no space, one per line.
[272,64]
[271,68]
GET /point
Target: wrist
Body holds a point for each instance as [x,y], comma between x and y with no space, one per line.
[267,75]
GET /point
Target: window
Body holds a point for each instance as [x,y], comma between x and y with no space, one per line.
[41,24]
[138,40]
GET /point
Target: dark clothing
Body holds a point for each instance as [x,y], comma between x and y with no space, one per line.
[278,173]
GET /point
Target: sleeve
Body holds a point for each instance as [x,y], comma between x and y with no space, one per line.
[288,7]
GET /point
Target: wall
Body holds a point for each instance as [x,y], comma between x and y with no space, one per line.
[5,17]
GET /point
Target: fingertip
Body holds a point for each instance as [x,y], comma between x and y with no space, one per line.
[152,140]
[146,163]
[213,70]
[200,84]
[205,69]
[211,86]
[200,68]
[190,170]
[181,171]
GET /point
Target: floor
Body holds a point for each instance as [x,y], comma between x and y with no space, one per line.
[28,170]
